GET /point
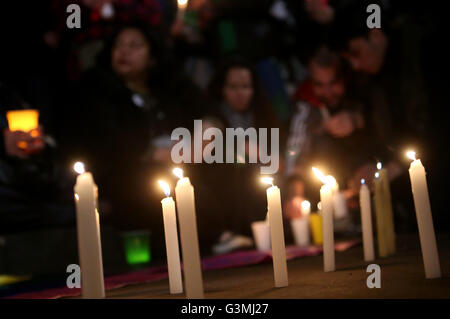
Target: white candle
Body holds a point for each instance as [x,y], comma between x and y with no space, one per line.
[300,226]
[339,201]
[366,221]
[182,5]
[185,199]
[276,234]
[171,236]
[88,229]
[424,218]
[326,200]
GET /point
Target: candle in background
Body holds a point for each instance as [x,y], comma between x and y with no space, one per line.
[182,5]
[339,201]
[171,236]
[326,199]
[366,221]
[428,244]
[88,229]
[380,217]
[23,120]
[300,226]
[387,210]
[184,192]
[276,233]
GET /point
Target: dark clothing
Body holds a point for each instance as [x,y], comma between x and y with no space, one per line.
[310,145]
[116,131]
[232,196]
[31,194]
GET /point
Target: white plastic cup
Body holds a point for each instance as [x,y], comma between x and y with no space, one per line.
[261,234]
[300,230]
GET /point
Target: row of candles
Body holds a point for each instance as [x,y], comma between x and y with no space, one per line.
[90,246]
[332,203]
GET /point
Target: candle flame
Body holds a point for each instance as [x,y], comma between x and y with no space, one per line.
[79,168]
[379,165]
[411,155]
[330,180]
[77,197]
[377,175]
[182,4]
[165,187]
[320,175]
[363,181]
[178,172]
[267,180]
[305,205]
[319,205]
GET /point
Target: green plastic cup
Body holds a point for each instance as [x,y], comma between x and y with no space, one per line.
[137,247]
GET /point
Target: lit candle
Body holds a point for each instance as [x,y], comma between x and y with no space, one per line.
[171,236]
[184,192]
[88,227]
[326,200]
[380,217]
[182,5]
[300,226]
[424,218]
[339,201]
[387,210]
[366,221]
[276,233]
[25,121]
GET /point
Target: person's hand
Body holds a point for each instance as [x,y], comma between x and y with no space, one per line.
[341,125]
[319,11]
[22,144]
[36,143]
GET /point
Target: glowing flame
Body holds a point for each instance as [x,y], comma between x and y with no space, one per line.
[320,175]
[411,155]
[77,197]
[182,4]
[306,205]
[178,172]
[79,167]
[379,165]
[165,187]
[330,180]
[267,180]
[363,181]
[319,205]
[377,175]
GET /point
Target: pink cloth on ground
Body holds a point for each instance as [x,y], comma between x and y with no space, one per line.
[234,259]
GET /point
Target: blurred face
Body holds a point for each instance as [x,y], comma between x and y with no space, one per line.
[367,54]
[238,89]
[131,54]
[326,86]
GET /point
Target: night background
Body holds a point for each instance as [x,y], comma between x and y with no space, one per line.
[110,93]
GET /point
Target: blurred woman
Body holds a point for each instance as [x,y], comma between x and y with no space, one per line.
[130,104]
[237,102]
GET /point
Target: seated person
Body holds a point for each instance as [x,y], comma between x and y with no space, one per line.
[389,78]
[238,198]
[330,131]
[30,192]
[129,106]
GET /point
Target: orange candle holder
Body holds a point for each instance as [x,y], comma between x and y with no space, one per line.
[23,120]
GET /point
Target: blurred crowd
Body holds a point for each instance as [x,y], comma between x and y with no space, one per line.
[343,96]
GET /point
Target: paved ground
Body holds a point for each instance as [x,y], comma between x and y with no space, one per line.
[402,276]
